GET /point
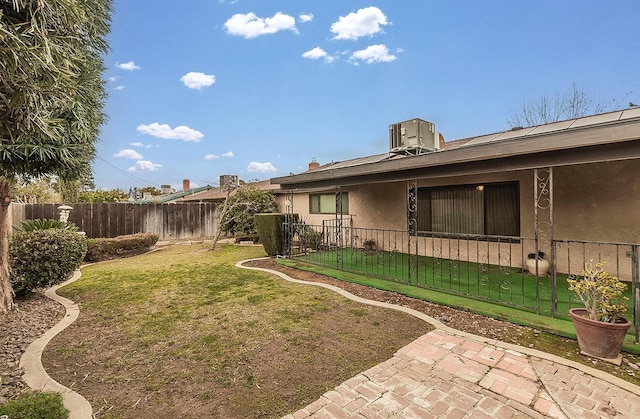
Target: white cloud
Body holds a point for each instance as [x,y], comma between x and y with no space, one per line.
[306,17]
[144,166]
[373,54]
[251,26]
[364,22]
[121,87]
[261,167]
[165,131]
[113,79]
[195,80]
[226,155]
[128,154]
[316,53]
[129,66]
[138,144]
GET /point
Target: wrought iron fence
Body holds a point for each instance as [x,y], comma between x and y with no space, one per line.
[491,268]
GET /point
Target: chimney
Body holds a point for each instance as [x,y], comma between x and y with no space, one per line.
[314,165]
[186,185]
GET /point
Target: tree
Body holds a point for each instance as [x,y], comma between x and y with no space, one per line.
[573,104]
[51,96]
[100,196]
[236,214]
[40,190]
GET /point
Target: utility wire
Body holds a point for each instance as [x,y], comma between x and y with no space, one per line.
[124,172]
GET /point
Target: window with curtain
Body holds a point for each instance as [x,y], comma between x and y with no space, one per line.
[491,209]
[326,203]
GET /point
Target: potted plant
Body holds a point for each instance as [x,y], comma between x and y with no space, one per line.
[537,260]
[599,326]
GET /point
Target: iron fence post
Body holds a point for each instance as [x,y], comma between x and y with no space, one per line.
[412,231]
[635,288]
[339,245]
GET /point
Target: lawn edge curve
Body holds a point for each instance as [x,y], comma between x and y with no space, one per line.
[35,375]
[611,379]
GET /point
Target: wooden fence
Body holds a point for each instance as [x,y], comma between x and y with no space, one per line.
[168,221]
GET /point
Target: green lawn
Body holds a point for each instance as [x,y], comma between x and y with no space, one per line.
[499,284]
[182,332]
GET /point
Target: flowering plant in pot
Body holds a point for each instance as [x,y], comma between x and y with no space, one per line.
[599,326]
[538,260]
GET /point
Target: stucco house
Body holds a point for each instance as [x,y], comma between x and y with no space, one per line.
[570,189]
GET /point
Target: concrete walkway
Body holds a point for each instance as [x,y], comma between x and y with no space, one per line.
[452,374]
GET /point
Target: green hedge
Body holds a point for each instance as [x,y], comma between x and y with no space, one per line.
[121,246]
[42,258]
[269,228]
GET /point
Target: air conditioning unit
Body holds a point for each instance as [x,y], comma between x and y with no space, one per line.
[414,136]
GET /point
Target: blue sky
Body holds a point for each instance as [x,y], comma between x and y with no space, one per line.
[203,88]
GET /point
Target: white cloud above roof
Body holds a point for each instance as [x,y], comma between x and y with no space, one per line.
[226,155]
[261,167]
[373,54]
[365,22]
[128,154]
[196,80]
[165,131]
[317,53]
[128,66]
[144,166]
[251,26]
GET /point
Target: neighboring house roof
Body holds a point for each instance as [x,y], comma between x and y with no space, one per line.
[597,138]
[176,196]
[219,194]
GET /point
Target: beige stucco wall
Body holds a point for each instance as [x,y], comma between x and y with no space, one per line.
[592,202]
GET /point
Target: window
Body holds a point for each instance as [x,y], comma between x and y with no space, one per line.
[326,203]
[492,209]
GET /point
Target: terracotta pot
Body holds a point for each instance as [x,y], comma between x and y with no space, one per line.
[597,338]
[543,266]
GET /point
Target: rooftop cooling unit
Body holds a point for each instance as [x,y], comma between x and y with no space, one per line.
[413,137]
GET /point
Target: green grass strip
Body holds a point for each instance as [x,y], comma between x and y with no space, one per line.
[558,326]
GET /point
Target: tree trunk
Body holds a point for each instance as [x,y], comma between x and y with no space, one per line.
[6,293]
[220,213]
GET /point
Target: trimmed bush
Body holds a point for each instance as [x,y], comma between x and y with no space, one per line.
[39,405]
[42,258]
[269,228]
[119,247]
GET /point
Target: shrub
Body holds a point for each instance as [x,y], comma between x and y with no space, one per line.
[269,228]
[39,405]
[121,246]
[35,225]
[42,258]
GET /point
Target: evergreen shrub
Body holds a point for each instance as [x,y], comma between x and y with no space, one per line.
[42,258]
[269,228]
[119,247]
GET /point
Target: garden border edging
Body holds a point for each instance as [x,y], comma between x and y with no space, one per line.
[31,361]
[439,325]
